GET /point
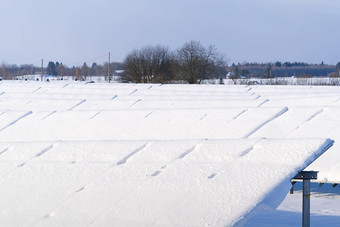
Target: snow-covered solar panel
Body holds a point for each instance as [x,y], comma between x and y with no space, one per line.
[145,183]
[157,155]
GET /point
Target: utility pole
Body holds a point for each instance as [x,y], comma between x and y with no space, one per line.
[42,69]
[108,69]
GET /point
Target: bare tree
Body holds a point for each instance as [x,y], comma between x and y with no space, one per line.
[85,71]
[61,70]
[337,68]
[148,65]
[133,67]
[76,73]
[3,72]
[197,62]
[268,71]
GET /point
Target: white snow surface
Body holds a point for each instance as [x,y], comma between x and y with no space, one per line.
[75,154]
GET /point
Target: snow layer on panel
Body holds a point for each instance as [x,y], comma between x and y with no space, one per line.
[295,96]
[143,183]
[312,101]
[312,112]
[9,118]
[39,104]
[48,126]
[326,123]
[137,102]
[286,124]
[163,95]
[217,123]
[88,177]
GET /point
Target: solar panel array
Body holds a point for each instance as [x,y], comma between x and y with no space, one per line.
[156,155]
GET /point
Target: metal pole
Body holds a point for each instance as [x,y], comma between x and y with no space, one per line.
[306,203]
[306,176]
[108,73]
[42,69]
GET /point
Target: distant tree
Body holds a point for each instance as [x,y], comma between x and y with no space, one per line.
[148,65]
[278,64]
[98,70]
[56,66]
[334,75]
[246,73]
[197,62]
[236,73]
[85,71]
[3,72]
[337,68]
[51,68]
[93,71]
[76,73]
[268,71]
[61,70]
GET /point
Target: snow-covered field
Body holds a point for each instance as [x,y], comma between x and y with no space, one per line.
[76,154]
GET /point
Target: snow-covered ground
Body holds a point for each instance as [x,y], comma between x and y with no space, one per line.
[77,154]
[325,209]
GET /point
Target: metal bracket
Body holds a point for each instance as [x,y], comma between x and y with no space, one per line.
[306,175]
[292,188]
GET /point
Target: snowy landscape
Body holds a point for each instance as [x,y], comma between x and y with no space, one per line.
[98,154]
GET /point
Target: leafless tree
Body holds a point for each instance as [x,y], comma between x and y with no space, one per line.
[61,70]
[76,73]
[85,71]
[337,69]
[197,62]
[3,72]
[150,64]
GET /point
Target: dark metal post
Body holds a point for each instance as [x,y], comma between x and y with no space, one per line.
[109,69]
[306,176]
[306,203]
[42,69]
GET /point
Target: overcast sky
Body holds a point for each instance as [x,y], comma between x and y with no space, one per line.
[77,31]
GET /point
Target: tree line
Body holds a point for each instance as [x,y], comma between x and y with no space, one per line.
[80,72]
[10,72]
[278,69]
[191,63]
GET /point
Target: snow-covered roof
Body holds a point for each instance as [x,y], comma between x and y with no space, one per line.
[78,154]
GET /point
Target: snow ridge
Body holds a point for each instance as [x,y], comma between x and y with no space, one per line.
[53,112]
[267,100]
[125,159]
[15,121]
[44,150]
[36,89]
[133,92]
[81,102]
[95,115]
[135,103]
[181,156]
[3,151]
[284,110]
[238,115]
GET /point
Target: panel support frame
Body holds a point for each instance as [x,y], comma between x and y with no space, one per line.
[305,176]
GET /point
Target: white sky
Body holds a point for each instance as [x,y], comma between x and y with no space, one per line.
[74,31]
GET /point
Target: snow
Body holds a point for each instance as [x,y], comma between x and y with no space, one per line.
[325,209]
[144,183]
[75,154]
[313,112]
